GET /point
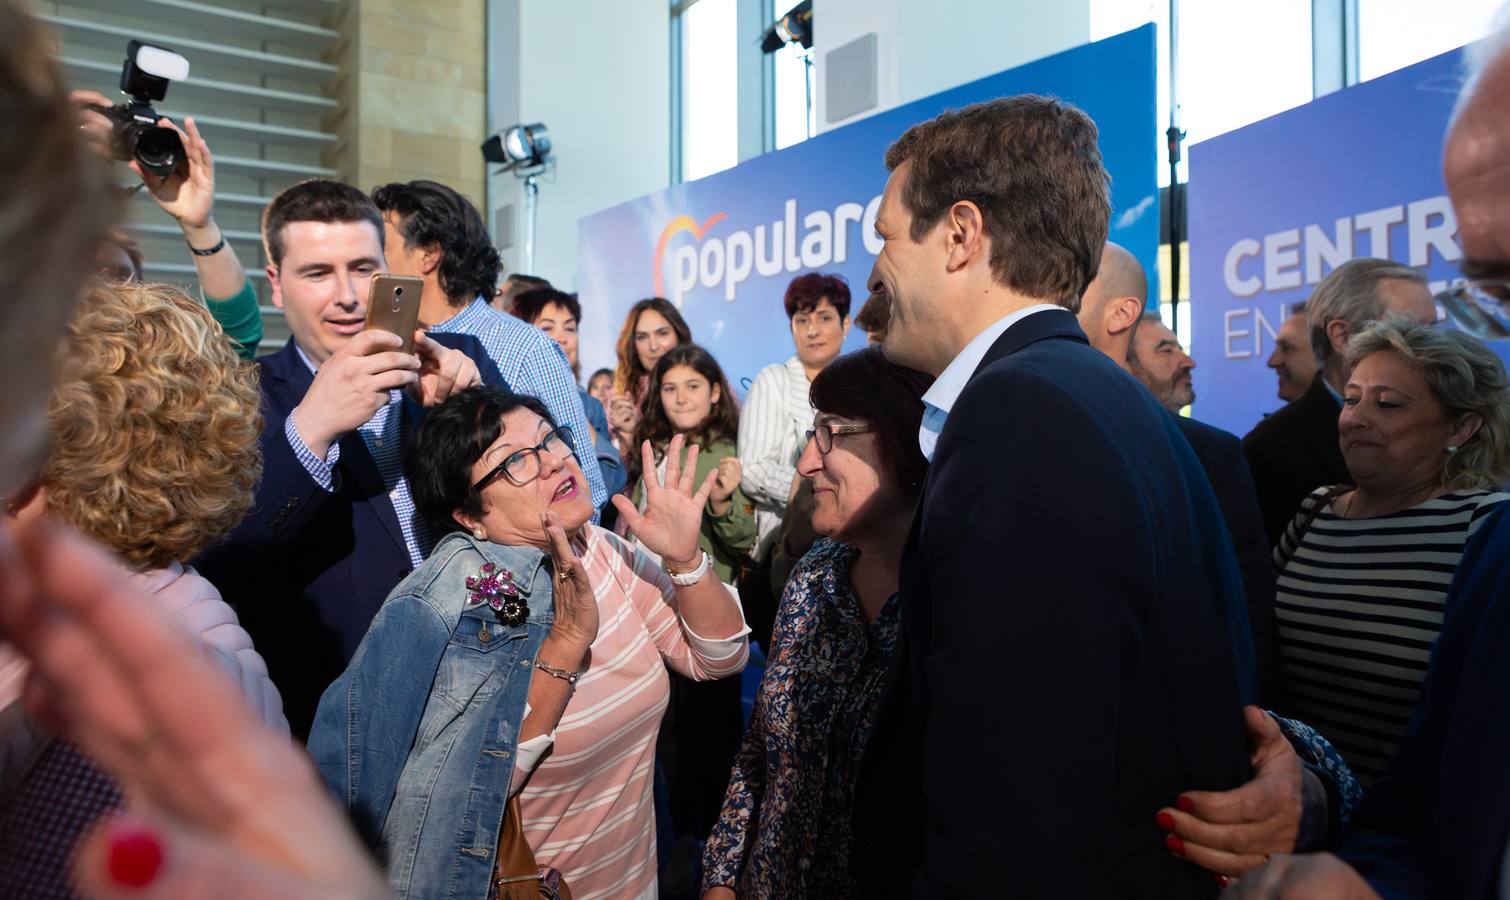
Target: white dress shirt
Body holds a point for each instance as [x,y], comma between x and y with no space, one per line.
[951,382]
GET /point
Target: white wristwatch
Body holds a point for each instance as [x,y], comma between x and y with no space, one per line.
[691,577]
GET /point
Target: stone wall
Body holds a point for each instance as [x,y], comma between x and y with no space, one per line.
[412,93]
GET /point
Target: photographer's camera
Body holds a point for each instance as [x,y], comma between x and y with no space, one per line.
[137,136]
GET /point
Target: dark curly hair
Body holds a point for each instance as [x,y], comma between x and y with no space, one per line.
[807,291]
[722,423]
[431,214]
[454,436]
[530,304]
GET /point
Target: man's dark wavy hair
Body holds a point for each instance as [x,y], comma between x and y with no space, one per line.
[431,214]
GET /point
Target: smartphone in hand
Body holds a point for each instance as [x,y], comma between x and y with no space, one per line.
[393,306]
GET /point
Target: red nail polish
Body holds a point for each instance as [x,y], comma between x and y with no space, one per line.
[1165,821]
[1221,880]
[1175,845]
[1184,804]
[135,856]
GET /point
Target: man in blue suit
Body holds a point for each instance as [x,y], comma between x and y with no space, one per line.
[1070,657]
[333,527]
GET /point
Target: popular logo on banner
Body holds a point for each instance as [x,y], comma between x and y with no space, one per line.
[766,250]
[724,248]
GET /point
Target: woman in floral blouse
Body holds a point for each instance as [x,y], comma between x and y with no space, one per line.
[784,830]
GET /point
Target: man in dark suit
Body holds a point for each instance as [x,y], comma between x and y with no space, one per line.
[1294,451]
[333,527]
[1070,658]
[1112,314]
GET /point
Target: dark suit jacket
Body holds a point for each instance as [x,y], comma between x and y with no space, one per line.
[1437,824]
[1294,452]
[1069,654]
[1221,456]
[307,569]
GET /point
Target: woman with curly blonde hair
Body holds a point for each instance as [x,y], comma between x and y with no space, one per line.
[1364,568]
[154,428]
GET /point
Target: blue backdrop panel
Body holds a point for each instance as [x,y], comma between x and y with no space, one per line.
[1277,205]
[724,247]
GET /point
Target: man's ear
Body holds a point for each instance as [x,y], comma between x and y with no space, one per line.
[965,234]
[1337,335]
[275,289]
[1124,314]
[429,258]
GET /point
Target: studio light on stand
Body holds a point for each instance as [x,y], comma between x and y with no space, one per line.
[524,150]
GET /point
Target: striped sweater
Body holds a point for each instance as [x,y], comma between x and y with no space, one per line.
[587,805]
[1359,604]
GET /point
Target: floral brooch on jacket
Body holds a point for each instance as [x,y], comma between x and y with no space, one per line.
[495,587]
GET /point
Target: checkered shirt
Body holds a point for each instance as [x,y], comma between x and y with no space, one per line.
[58,799]
[384,437]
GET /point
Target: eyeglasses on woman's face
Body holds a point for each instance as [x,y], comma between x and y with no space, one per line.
[823,433]
[523,465]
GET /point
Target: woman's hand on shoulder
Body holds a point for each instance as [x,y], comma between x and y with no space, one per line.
[673,515]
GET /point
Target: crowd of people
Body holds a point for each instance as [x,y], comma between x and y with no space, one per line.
[351,620]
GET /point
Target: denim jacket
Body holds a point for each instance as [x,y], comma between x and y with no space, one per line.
[417,737]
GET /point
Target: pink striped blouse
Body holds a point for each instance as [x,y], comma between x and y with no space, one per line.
[587,805]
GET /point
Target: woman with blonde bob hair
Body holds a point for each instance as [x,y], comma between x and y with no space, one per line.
[154,427]
[1364,568]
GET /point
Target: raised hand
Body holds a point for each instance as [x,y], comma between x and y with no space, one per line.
[97,129]
[188,193]
[729,473]
[673,514]
[443,371]
[220,805]
[624,416]
[576,619]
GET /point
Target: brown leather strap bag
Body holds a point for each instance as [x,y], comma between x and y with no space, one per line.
[516,875]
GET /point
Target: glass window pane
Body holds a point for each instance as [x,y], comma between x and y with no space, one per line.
[1393,34]
[710,93]
[793,118]
[1238,62]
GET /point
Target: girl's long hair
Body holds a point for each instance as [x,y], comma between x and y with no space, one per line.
[722,423]
[626,378]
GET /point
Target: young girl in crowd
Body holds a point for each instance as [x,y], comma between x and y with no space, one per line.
[688,395]
[652,327]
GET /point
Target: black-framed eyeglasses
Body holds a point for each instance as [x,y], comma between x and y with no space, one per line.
[1480,307]
[523,465]
[823,433]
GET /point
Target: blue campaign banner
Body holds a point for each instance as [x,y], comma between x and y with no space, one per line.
[724,248]
[1277,205]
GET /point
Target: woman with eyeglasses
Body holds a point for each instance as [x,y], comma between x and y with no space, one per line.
[525,659]
[785,826]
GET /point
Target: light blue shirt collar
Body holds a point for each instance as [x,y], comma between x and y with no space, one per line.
[939,399]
